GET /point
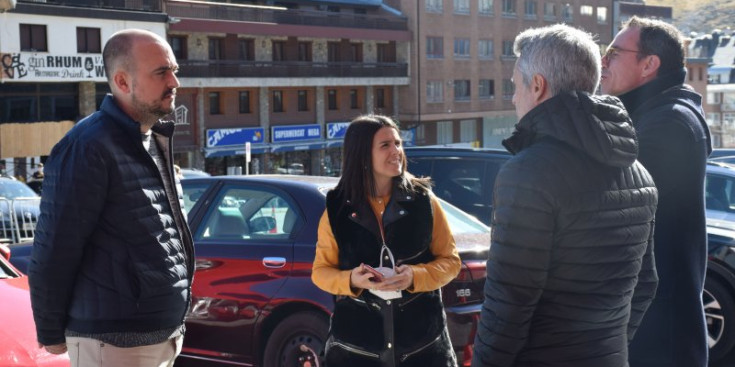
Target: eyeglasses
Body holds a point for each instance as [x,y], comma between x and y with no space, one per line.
[612,51]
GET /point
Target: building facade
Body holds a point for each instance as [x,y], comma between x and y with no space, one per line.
[52,72]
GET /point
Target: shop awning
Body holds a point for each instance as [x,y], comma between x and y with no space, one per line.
[294,146]
[228,151]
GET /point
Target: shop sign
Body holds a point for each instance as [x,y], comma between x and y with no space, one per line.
[226,137]
[337,130]
[280,134]
[35,67]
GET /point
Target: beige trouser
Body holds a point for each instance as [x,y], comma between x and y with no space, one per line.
[86,352]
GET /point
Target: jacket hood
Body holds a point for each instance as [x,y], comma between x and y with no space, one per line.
[599,126]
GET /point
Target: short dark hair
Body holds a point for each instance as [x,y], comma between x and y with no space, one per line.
[117,51]
[357,182]
[661,39]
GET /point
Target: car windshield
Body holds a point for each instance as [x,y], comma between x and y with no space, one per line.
[461,222]
[10,189]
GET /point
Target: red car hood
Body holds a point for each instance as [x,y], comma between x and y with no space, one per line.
[18,331]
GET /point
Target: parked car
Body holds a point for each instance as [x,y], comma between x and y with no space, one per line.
[465,177]
[253,299]
[17,328]
[462,176]
[193,172]
[19,209]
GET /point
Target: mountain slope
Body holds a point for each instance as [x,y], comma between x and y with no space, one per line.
[701,16]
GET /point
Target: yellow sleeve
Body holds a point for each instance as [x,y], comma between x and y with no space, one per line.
[325,272]
[446,264]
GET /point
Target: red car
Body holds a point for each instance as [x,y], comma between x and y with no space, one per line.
[253,300]
[18,345]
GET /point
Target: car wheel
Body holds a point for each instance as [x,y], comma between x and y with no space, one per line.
[297,341]
[719,309]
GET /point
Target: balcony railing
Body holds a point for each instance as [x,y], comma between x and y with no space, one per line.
[287,69]
[289,16]
[138,5]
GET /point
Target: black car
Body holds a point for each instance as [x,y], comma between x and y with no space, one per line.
[465,177]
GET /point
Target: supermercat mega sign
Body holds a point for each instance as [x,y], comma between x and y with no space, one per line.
[45,67]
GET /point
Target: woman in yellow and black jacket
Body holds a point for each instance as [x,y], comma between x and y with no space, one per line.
[380,210]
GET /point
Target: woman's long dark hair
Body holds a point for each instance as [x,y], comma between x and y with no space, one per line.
[357,182]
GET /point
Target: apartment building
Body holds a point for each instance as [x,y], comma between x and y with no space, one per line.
[286,77]
[52,72]
[462,60]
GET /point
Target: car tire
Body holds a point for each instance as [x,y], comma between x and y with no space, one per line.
[719,309]
[297,341]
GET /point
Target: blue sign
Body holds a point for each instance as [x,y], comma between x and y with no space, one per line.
[280,134]
[337,130]
[226,137]
[408,137]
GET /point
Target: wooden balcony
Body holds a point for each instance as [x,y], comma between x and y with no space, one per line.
[287,69]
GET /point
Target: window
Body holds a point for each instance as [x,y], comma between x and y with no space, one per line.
[461,90]
[508,89]
[277,101]
[434,6]
[244,101]
[88,40]
[214,104]
[355,52]
[713,118]
[278,47]
[509,7]
[467,131]
[246,49]
[215,49]
[386,52]
[485,7]
[178,45]
[332,99]
[549,11]
[434,91]
[304,51]
[461,6]
[567,13]
[333,52]
[602,15]
[462,48]
[719,193]
[33,38]
[354,103]
[444,133]
[586,10]
[303,100]
[530,9]
[243,213]
[486,89]
[714,98]
[485,49]
[508,49]
[434,48]
[380,98]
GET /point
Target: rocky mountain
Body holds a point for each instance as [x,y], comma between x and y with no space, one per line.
[701,16]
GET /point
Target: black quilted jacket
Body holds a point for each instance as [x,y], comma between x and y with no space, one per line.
[103,259]
[571,269]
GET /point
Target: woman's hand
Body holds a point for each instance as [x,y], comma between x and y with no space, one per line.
[402,280]
[360,278]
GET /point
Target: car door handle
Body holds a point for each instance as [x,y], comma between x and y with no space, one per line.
[274,262]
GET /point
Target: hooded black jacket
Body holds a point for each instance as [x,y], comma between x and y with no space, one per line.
[571,269]
[104,260]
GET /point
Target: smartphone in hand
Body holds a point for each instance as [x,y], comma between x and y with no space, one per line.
[377,276]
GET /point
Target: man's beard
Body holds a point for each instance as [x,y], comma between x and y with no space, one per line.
[153,109]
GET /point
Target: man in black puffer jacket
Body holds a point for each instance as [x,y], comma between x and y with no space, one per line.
[571,268]
[112,261]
